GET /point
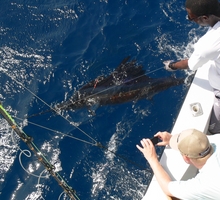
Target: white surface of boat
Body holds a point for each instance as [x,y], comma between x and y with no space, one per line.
[195,113]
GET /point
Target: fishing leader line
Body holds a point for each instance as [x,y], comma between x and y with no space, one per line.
[58,132]
[100,92]
[40,156]
[112,87]
[58,113]
[98,144]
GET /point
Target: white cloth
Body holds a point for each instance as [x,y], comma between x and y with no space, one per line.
[207,53]
[206,184]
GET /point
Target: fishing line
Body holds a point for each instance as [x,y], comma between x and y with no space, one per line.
[58,113]
[27,153]
[58,132]
[98,144]
[100,92]
[40,176]
[63,193]
[112,87]
[41,158]
[122,83]
[51,108]
[38,184]
[95,142]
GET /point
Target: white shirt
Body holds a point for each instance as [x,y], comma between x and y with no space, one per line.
[206,184]
[207,53]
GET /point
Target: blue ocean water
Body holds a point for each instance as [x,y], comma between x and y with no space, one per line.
[52,48]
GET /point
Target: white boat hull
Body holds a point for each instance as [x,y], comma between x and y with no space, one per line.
[191,116]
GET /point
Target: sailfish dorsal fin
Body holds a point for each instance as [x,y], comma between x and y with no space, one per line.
[127,73]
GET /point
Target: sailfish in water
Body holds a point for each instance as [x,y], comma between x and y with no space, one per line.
[128,82]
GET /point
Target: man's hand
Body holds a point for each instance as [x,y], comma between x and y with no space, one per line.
[164,136]
[168,65]
[148,150]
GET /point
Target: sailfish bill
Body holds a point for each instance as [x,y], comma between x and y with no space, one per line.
[128,82]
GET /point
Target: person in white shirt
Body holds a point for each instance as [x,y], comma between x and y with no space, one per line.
[197,149]
[206,50]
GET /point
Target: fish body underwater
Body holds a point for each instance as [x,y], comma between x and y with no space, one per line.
[127,83]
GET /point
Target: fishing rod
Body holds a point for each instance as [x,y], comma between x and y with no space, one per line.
[41,158]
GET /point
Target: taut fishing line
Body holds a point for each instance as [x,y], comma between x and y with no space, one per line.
[41,158]
[96,143]
[58,113]
[90,96]
[93,143]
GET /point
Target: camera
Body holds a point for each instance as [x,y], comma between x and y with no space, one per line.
[154,140]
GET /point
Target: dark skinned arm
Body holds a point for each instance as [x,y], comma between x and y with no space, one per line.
[182,64]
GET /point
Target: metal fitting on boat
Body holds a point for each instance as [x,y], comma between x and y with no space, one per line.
[196,109]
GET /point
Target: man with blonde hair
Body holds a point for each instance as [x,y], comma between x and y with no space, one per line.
[196,149]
